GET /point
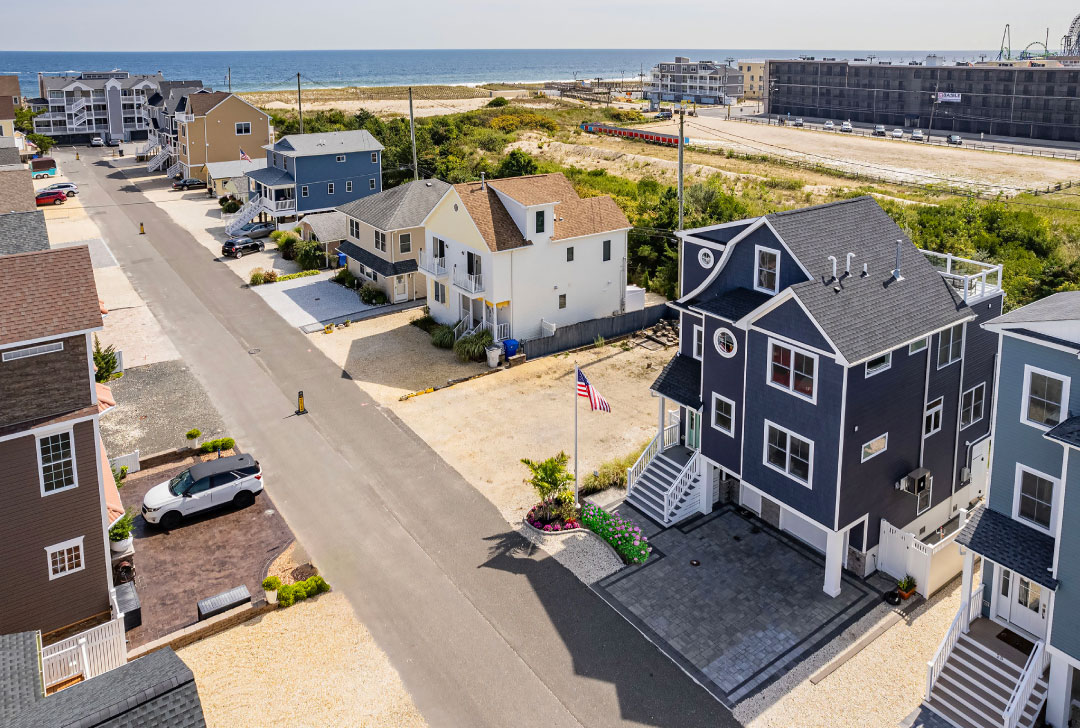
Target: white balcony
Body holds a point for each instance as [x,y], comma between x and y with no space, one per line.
[279,207]
[431,264]
[84,656]
[470,283]
[972,279]
[187,117]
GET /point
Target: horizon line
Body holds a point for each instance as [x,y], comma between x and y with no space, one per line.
[366,50]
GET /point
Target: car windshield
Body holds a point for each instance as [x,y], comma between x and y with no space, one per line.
[180,483]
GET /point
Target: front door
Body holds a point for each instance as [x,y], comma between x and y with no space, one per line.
[401,289]
[1021,602]
[693,430]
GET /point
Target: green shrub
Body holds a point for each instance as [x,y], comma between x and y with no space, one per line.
[278,235]
[624,536]
[611,474]
[257,277]
[372,295]
[227,443]
[222,200]
[122,528]
[301,274]
[320,584]
[286,595]
[230,207]
[308,254]
[345,277]
[442,336]
[106,362]
[208,446]
[193,434]
[287,244]
[497,102]
[119,475]
[425,323]
[473,346]
[299,591]
[271,583]
[270,276]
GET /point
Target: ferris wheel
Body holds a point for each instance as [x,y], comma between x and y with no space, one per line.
[1070,44]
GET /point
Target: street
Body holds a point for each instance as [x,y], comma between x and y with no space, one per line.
[484,628]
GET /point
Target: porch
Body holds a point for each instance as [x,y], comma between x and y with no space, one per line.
[84,656]
[477,314]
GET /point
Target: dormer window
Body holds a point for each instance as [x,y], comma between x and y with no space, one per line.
[767,274]
[539,221]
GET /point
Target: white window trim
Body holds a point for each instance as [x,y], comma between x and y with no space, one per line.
[862,452]
[401,243]
[371,183]
[916,346]
[348,185]
[791,388]
[1020,469]
[765,454]
[720,349]
[70,430]
[941,335]
[50,550]
[1066,384]
[329,188]
[697,353]
[927,409]
[50,348]
[884,368]
[758,249]
[374,157]
[339,158]
[982,407]
[243,133]
[715,397]
[303,190]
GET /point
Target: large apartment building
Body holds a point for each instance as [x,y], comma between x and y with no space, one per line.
[703,82]
[755,79]
[1036,99]
[77,107]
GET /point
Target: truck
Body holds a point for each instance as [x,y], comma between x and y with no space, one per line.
[42,167]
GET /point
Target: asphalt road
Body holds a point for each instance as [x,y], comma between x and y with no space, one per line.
[484,629]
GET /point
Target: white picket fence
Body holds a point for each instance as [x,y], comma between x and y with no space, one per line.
[87,654]
[901,553]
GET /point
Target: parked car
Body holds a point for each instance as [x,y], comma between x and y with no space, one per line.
[918,136]
[234,480]
[879,130]
[236,247]
[68,188]
[846,126]
[828,125]
[955,139]
[188,183]
[97,142]
[897,133]
[663,115]
[112,142]
[797,122]
[50,197]
[255,230]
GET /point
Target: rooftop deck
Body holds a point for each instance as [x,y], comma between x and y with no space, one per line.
[972,279]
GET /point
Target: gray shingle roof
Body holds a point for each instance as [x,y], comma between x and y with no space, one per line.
[327,226]
[235,167]
[132,80]
[1064,306]
[380,265]
[23,232]
[870,314]
[400,207]
[1057,340]
[732,305]
[20,675]
[272,176]
[681,381]
[1067,432]
[333,142]
[1011,544]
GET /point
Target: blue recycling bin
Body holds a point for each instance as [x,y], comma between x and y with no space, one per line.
[341,261]
[511,347]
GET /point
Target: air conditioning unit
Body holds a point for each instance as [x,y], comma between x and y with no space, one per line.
[915,482]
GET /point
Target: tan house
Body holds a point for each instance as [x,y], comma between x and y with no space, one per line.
[9,87]
[384,235]
[7,117]
[755,79]
[215,127]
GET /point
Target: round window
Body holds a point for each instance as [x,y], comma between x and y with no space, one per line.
[725,343]
[705,257]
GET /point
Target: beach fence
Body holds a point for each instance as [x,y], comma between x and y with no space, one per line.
[583,333]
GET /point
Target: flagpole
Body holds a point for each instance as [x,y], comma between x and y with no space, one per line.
[576,370]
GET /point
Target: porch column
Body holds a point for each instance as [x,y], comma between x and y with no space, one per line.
[1059,692]
[834,562]
[965,586]
[660,430]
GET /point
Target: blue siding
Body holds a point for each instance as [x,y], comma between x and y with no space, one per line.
[686,333]
[1065,634]
[740,269]
[939,455]
[980,357]
[318,171]
[723,376]
[693,274]
[789,320]
[819,423]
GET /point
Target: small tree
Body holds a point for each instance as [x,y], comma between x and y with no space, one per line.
[105,362]
[42,142]
[549,478]
[516,164]
[497,102]
[192,436]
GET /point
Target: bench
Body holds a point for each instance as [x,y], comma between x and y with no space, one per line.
[223,602]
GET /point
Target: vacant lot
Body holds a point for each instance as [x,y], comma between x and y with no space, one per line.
[379,100]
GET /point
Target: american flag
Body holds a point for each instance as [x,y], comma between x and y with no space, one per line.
[244,157]
[584,389]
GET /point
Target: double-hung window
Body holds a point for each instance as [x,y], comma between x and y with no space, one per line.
[950,346]
[348,185]
[405,242]
[374,157]
[699,342]
[440,292]
[339,158]
[792,370]
[539,221]
[723,414]
[371,183]
[380,240]
[243,128]
[971,405]
[1033,498]
[789,453]
[329,188]
[570,254]
[65,558]
[56,460]
[354,228]
[1046,397]
[768,270]
[932,419]
[303,191]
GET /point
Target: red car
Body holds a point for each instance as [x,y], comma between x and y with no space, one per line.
[50,197]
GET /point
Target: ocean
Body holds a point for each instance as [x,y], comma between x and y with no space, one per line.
[271,70]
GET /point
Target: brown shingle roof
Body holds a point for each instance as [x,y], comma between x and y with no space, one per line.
[7,108]
[16,191]
[9,86]
[494,222]
[536,189]
[589,216]
[199,104]
[47,293]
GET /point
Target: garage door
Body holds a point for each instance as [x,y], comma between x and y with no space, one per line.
[750,499]
[803,529]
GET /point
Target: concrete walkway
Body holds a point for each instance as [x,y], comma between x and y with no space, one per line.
[484,629]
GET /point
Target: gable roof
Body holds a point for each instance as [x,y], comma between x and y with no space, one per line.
[865,315]
[7,108]
[382,266]
[334,142]
[327,226]
[1010,543]
[577,217]
[1063,306]
[16,191]
[536,189]
[730,305]
[1067,432]
[46,294]
[397,208]
[234,167]
[9,85]
[23,232]
[199,104]
[498,229]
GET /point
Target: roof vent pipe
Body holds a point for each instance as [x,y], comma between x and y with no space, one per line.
[832,258]
[864,271]
[483,182]
[847,265]
[896,271]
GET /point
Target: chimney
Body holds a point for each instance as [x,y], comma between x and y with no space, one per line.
[847,264]
[832,258]
[896,271]
[483,182]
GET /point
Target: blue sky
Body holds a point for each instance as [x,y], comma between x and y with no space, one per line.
[343,24]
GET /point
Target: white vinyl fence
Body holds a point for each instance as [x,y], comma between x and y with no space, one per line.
[901,553]
[88,653]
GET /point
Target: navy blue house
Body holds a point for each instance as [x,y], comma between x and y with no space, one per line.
[831,377]
[308,173]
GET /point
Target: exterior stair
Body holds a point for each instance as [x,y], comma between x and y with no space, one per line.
[172,170]
[974,688]
[159,159]
[651,487]
[244,215]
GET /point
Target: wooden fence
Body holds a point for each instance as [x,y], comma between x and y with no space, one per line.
[587,332]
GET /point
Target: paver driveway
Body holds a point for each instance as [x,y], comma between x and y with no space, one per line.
[750,611]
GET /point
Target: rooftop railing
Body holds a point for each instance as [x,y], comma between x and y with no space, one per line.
[972,279]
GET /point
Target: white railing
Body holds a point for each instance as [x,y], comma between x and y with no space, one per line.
[286,205]
[638,468]
[186,116]
[173,169]
[243,216]
[79,104]
[499,332]
[159,159]
[682,483]
[972,279]
[87,654]
[671,434]
[461,327]
[469,282]
[431,264]
[547,328]
[1037,662]
[964,616]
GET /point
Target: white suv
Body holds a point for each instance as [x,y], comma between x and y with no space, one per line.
[234,480]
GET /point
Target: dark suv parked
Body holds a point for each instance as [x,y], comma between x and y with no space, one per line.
[236,247]
[190,183]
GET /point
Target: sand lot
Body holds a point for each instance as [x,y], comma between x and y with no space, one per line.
[311,664]
[388,107]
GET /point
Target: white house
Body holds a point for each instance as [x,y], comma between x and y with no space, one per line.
[523,256]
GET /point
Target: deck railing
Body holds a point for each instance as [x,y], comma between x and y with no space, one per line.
[469,282]
[87,654]
[432,264]
[1037,662]
[663,440]
[682,483]
[972,279]
[964,615]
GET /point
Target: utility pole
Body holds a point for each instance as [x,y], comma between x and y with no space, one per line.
[230,79]
[412,136]
[682,118]
[299,103]
[933,108]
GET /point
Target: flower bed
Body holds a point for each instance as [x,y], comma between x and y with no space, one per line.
[541,523]
[624,536]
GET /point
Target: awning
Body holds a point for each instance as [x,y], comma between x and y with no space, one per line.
[1011,544]
[681,381]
